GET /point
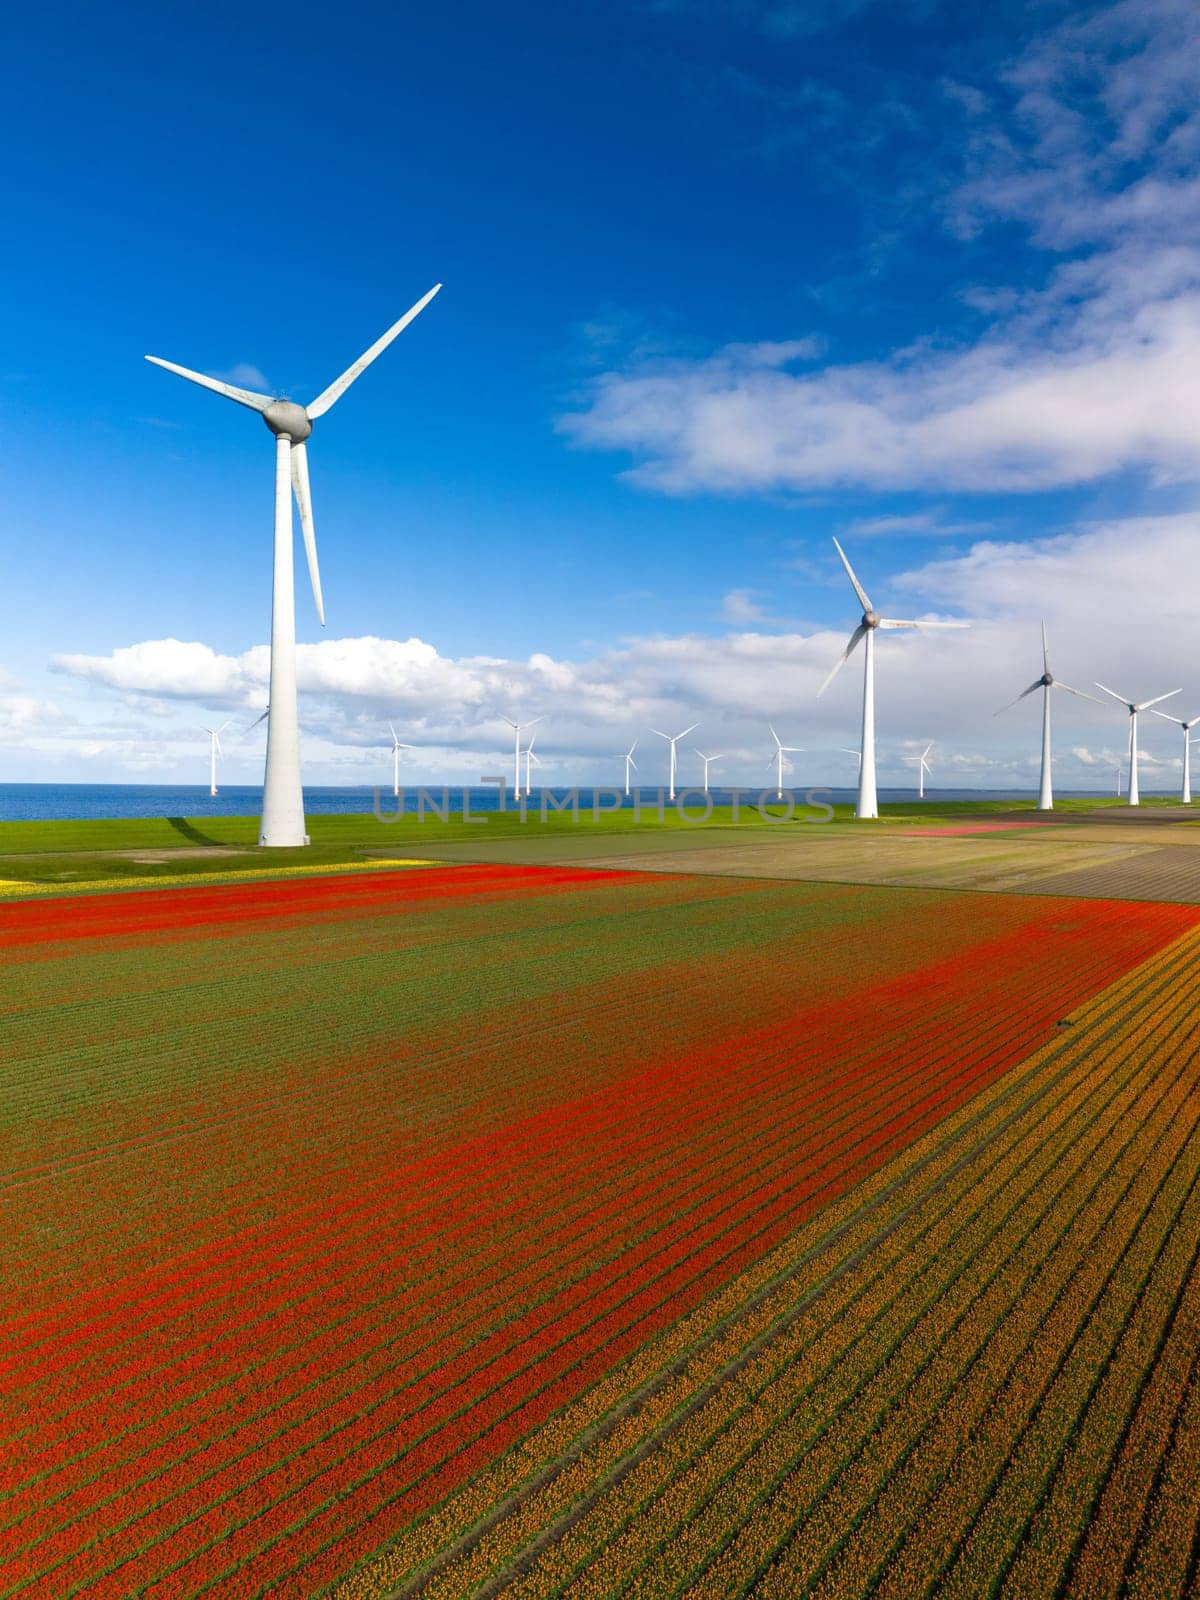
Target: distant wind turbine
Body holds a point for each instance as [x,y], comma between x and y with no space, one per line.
[923,768]
[868,801]
[1185,793]
[397,746]
[630,763]
[1133,709]
[518,729]
[777,758]
[214,750]
[673,740]
[283,797]
[530,760]
[1045,683]
[708,761]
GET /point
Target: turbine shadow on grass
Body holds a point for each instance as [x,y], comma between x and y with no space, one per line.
[183,826]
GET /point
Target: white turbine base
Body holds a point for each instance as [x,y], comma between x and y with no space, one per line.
[868,800]
[1045,792]
[282,824]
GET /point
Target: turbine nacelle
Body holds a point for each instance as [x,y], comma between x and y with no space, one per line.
[288,420]
[871,619]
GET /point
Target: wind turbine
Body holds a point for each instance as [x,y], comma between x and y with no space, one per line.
[518,729]
[922,769]
[630,763]
[1133,709]
[1185,793]
[530,759]
[780,750]
[1045,683]
[397,746]
[283,798]
[214,750]
[673,740]
[868,803]
[707,760]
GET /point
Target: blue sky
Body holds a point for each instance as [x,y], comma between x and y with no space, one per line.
[723,277]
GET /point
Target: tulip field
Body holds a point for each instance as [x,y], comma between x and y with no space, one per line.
[476,1230]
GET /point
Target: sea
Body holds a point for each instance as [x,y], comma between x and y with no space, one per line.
[30,802]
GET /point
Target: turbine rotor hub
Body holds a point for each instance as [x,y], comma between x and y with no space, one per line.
[870,619]
[286,419]
[1047,680]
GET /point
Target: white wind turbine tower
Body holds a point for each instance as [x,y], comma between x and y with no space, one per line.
[673,740]
[1133,709]
[530,760]
[1045,683]
[707,760]
[868,802]
[283,798]
[780,751]
[214,750]
[1185,793]
[518,729]
[630,763]
[922,769]
[397,746]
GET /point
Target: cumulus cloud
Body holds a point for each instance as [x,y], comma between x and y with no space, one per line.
[1138,575]
[1092,141]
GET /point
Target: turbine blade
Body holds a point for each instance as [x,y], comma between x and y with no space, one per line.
[1120,698]
[1167,717]
[1021,696]
[858,588]
[244,397]
[895,622]
[842,659]
[1146,704]
[338,387]
[304,506]
[661,734]
[775,736]
[1045,649]
[1079,694]
[392,731]
[632,762]
[686,731]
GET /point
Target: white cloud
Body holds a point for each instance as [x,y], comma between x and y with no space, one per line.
[246,376]
[1091,139]
[1138,576]
[740,606]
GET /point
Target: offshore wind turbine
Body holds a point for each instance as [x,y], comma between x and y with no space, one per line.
[518,729]
[707,760]
[630,763]
[780,750]
[214,750]
[673,740]
[283,797]
[1045,683]
[1185,793]
[868,801]
[397,746]
[1133,709]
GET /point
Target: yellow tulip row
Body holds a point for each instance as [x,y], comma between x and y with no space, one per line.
[27,889]
[833,1392]
[818,1418]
